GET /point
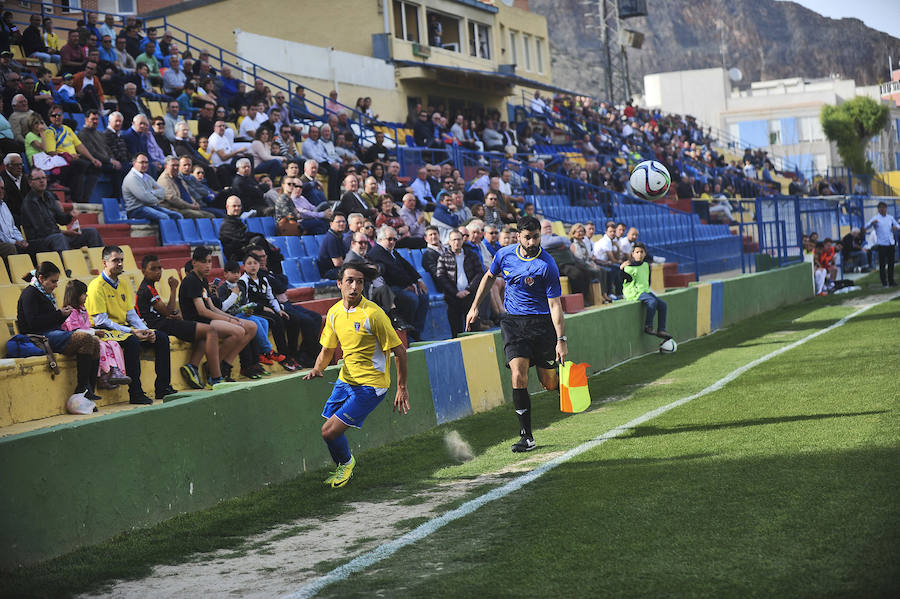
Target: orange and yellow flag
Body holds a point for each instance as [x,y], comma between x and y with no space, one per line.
[574,395]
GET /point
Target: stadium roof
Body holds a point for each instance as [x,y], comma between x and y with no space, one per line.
[510,78]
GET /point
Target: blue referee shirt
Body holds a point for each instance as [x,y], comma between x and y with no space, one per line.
[529,281]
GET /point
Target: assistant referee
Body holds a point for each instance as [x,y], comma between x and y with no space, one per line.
[534,331]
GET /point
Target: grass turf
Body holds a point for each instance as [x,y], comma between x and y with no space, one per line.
[716,467]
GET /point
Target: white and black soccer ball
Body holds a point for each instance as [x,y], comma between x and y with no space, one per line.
[650,180]
[668,346]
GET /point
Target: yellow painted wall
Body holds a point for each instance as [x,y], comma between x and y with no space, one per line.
[886,184]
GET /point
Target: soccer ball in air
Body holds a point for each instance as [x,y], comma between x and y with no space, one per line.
[668,346]
[650,180]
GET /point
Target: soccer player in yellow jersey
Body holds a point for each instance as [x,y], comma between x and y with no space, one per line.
[366,337]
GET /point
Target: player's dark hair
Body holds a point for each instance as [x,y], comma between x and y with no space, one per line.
[639,244]
[367,272]
[528,223]
[109,251]
[200,254]
[146,260]
[232,266]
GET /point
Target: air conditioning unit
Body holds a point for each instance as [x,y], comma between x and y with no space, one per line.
[420,50]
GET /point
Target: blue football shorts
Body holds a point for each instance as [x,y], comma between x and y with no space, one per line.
[352,403]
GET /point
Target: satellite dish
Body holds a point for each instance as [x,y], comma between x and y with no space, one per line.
[735,74]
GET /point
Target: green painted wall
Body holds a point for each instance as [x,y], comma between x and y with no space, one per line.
[81,483]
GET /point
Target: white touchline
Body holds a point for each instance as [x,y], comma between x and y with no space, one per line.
[387,549]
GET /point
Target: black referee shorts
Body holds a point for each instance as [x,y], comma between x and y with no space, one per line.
[530,336]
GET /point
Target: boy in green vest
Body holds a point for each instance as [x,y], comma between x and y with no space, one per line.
[637,288]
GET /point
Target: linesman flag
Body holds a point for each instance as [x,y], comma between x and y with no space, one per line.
[574,396]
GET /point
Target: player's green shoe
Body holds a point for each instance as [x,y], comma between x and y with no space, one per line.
[342,475]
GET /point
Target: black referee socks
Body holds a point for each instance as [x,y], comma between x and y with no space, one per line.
[522,403]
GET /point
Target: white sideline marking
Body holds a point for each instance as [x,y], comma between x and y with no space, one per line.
[423,530]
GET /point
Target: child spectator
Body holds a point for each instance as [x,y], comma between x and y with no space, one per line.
[37,313]
[256,290]
[820,274]
[236,303]
[112,360]
[827,258]
[637,288]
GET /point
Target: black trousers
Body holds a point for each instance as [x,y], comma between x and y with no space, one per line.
[456,312]
[285,332]
[886,264]
[131,348]
[310,325]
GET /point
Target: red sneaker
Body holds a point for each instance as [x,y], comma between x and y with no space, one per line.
[264,359]
[275,357]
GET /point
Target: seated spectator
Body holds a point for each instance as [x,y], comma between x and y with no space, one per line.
[16,184]
[117,147]
[194,300]
[237,304]
[263,159]
[72,55]
[377,152]
[558,248]
[37,313]
[42,215]
[171,119]
[312,189]
[256,116]
[124,61]
[111,306]
[445,217]
[492,213]
[294,213]
[636,273]
[853,255]
[582,249]
[298,109]
[493,140]
[112,362]
[392,184]
[413,218]
[142,195]
[459,273]
[332,248]
[432,251]
[139,140]
[176,195]
[33,42]
[351,201]
[388,216]
[251,192]
[130,105]
[81,174]
[370,193]
[236,238]
[96,144]
[88,86]
[305,348]
[222,151]
[374,289]
[608,254]
[411,294]
[198,191]
[174,78]
[421,188]
[19,119]
[11,240]
[491,241]
[148,58]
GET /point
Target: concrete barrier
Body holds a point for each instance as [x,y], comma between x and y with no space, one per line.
[83,482]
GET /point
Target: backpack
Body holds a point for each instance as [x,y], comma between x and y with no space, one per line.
[26,346]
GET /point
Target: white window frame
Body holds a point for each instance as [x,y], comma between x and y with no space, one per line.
[526,51]
[513,50]
[403,25]
[475,28]
[115,7]
[539,54]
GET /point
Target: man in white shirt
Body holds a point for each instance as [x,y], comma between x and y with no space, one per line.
[221,145]
[538,106]
[884,226]
[11,240]
[607,253]
[256,116]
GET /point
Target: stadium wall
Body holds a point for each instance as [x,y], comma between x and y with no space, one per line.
[80,483]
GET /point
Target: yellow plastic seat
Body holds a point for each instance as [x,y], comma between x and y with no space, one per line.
[95,259]
[4,274]
[51,257]
[156,109]
[165,292]
[129,265]
[560,229]
[194,127]
[74,261]
[19,266]
[9,299]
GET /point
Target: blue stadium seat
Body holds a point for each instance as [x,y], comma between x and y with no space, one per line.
[217,224]
[254,225]
[309,269]
[416,258]
[112,213]
[189,231]
[292,271]
[405,253]
[281,244]
[268,226]
[311,244]
[295,247]
[206,230]
[433,292]
[171,235]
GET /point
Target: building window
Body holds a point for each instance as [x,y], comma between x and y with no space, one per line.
[443,31]
[121,7]
[526,51]
[810,129]
[775,132]
[539,54]
[513,43]
[479,40]
[406,21]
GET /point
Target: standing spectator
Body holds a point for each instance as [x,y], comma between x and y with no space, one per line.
[38,313]
[110,304]
[433,250]
[884,226]
[42,215]
[143,195]
[459,273]
[96,144]
[411,294]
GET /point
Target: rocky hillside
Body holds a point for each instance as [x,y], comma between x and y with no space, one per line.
[763,38]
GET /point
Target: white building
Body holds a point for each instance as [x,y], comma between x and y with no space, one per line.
[780,116]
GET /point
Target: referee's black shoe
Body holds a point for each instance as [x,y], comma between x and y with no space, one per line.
[524,444]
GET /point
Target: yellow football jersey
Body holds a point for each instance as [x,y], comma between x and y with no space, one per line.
[366,336]
[115,301]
